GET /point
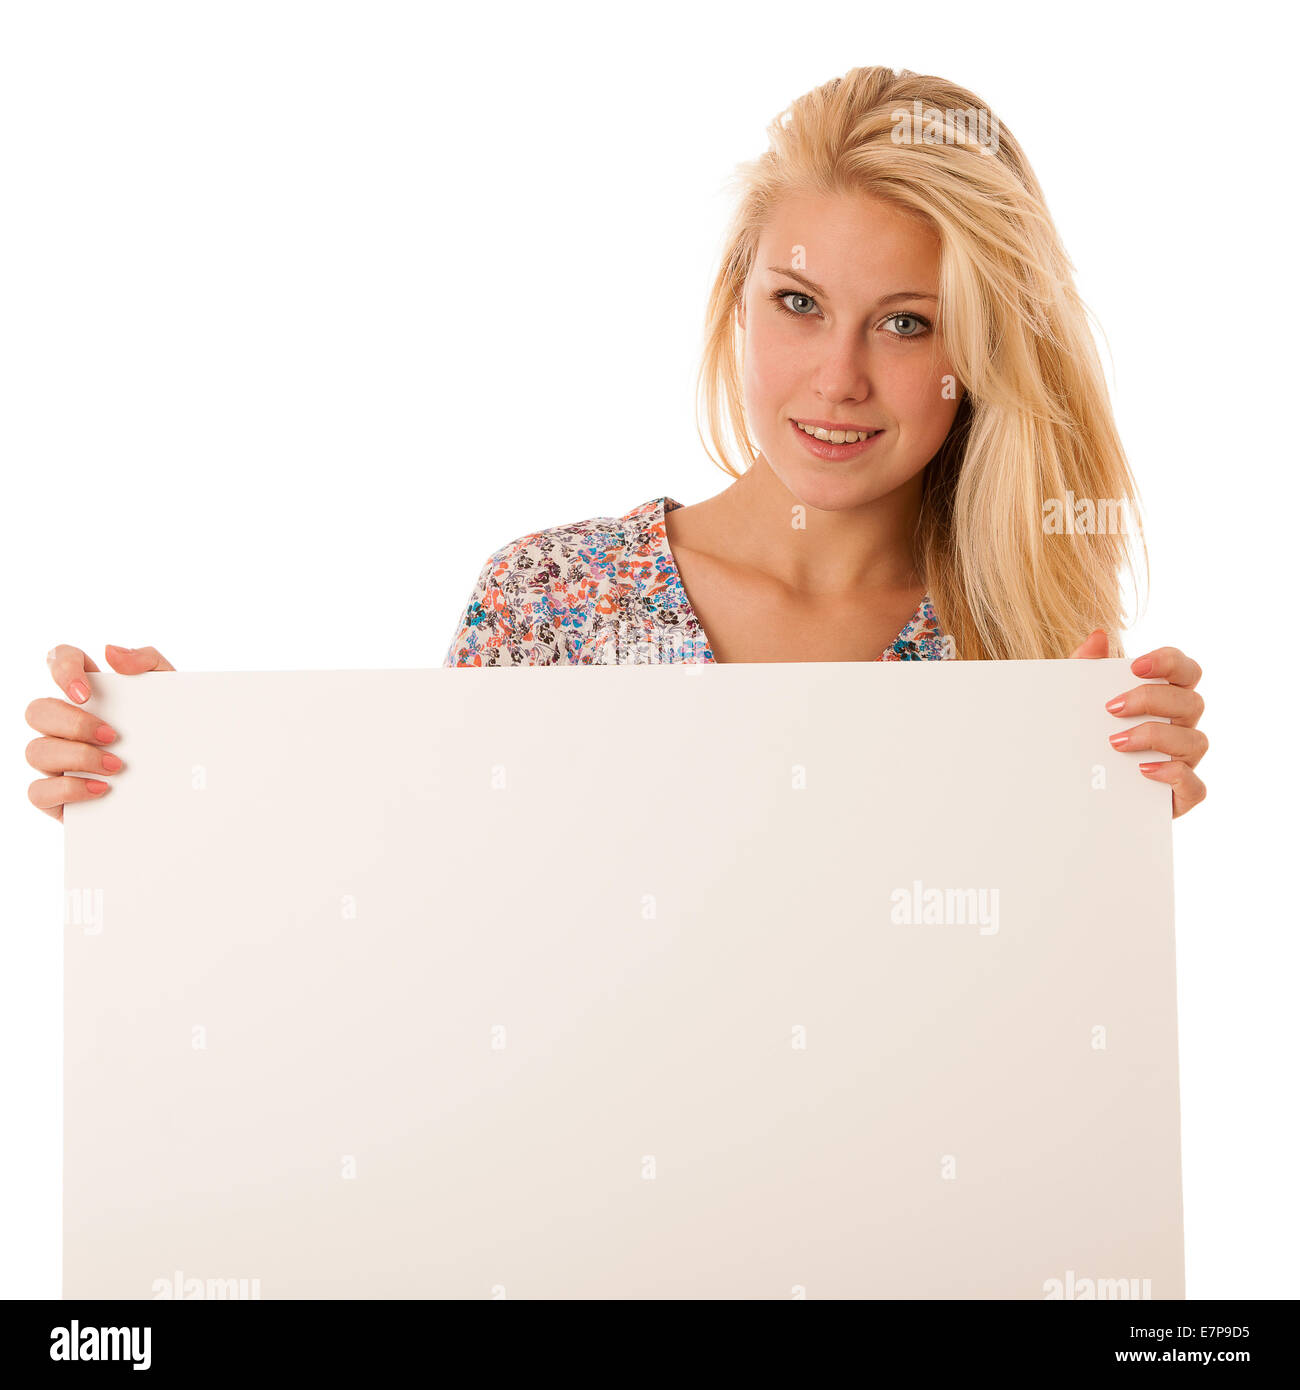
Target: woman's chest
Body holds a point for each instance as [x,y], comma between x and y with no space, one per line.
[749,617]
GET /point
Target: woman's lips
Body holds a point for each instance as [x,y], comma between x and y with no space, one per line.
[834,453]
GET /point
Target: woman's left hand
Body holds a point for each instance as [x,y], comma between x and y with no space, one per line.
[1178,702]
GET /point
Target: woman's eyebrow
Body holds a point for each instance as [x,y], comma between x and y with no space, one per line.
[813,288]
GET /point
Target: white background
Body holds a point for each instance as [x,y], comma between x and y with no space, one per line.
[305,309]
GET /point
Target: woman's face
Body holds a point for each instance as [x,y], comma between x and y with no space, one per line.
[845,330]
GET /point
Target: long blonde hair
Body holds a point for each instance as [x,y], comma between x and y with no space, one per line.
[1034,427]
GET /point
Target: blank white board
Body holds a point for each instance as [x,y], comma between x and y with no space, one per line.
[824,980]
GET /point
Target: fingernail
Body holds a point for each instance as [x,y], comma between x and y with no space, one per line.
[49,656]
[95,788]
[112,763]
[104,734]
[1118,740]
[1142,666]
[79,692]
[1150,767]
[1116,704]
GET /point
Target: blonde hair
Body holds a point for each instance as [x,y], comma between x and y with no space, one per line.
[1035,423]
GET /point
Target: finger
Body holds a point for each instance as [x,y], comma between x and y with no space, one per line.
[54,755]
[1189,745]
[1188,789]
[1167,663]
[1095,644]
[68,665]
[1173,702]
[135,661]
[51,794]
[62,720]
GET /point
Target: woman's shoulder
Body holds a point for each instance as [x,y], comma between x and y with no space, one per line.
[536,596]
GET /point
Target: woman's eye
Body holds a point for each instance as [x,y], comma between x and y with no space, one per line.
[782,296]
[912,325]
[919,325]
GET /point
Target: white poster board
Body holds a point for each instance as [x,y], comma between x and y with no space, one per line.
[825,980]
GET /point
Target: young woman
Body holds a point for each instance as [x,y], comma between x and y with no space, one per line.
[931,469]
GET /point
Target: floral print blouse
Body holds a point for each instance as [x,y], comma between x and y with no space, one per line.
[607,591]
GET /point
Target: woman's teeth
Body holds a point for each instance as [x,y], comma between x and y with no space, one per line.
[836,436]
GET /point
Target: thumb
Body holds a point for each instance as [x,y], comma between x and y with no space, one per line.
[132,661]
[1096,644]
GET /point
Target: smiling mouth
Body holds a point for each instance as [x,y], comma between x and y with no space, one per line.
[831,435]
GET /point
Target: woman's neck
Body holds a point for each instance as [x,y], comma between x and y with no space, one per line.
[758,522]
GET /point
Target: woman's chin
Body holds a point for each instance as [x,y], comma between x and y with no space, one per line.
[829,492]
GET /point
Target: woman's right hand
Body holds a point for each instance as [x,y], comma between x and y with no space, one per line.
[74,738]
